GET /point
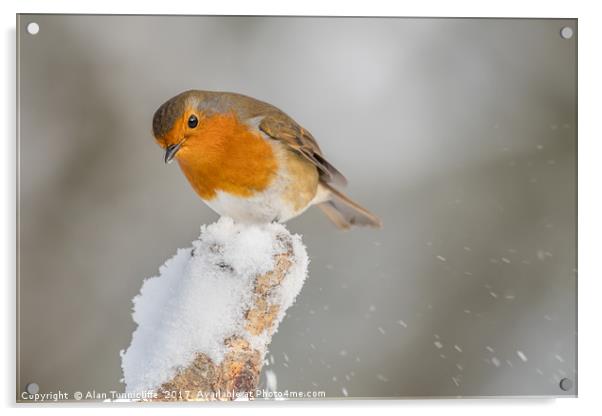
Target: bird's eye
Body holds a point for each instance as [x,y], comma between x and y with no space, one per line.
[193,121]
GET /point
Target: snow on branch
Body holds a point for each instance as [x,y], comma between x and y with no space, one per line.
[204,324]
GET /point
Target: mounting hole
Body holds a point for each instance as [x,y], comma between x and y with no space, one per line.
[32,388]
[33,28]
[566,384]
[566,32]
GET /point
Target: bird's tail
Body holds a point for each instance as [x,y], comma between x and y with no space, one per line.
[344,212]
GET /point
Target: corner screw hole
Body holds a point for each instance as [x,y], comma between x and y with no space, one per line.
[566,384]
[566,32]
[32,388]
[33,28]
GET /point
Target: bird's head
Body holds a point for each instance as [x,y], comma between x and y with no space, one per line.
[178,121]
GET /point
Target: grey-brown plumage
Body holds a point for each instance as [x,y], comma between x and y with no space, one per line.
[278,126]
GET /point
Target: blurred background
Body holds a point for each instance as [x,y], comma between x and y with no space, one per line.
[460,133]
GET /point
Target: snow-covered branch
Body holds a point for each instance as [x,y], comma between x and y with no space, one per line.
[204,324]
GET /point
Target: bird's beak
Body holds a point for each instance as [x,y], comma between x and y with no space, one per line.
[171,150]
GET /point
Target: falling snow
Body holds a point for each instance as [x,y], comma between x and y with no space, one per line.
[271,380]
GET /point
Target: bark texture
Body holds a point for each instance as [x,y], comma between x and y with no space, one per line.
[238,374]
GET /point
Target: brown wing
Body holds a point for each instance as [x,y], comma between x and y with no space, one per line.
[281,127]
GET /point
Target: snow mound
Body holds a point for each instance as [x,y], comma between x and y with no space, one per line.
[200,298]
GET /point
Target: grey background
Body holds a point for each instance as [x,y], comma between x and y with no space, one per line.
[459,133]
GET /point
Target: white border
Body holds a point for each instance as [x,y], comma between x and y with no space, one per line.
[590,184]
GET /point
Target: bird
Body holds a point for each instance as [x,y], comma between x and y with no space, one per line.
[250,161]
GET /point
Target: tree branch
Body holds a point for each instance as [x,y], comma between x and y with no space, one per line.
[238,373]
[265,296]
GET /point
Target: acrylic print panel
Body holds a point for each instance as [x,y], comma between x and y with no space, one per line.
[460,134]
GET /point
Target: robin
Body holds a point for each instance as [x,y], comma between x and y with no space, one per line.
[250,161]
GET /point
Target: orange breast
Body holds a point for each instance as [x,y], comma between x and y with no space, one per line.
[226,155]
